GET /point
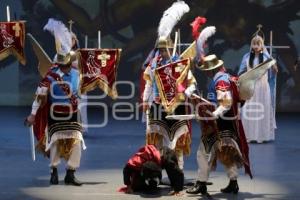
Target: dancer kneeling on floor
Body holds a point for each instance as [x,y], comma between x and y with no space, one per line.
[143,171]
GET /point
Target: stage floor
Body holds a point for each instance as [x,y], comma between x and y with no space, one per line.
[275,165]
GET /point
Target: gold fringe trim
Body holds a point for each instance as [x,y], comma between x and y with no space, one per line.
[183,143]
[229,155]
[155,139]
[65,147]
[112,92]
[11,51]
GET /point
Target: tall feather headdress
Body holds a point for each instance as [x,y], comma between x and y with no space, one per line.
[202,38]
[63,39]
[171,17]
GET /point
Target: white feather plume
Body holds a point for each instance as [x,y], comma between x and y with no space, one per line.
[171,17]
[202,38]
[63,37]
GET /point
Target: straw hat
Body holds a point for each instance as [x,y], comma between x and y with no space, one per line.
[65,59]
[163,42]
[211,62]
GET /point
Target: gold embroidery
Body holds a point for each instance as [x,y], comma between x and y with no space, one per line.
[103,57]
[17,29]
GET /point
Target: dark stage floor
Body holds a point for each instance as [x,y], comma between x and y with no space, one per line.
[275,165]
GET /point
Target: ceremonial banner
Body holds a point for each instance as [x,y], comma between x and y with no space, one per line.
[98,68]
[12,38]
[169,78]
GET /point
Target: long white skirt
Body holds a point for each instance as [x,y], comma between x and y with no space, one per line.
[258,116]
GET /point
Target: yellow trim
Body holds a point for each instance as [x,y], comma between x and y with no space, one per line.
[112,92]
[146,74]
[190,52]
[11,51]
[147,77]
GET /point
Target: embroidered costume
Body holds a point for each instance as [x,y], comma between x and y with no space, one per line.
[168,80]
[226,142]
[55,114]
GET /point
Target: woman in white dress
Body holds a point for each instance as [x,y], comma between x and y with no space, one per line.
[258,113]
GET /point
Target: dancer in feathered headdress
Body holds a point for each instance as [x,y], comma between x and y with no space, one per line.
[223,137]
[170,18]
[162,132]
[54,111]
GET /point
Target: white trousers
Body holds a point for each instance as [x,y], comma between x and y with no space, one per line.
[72,163]
[204,165]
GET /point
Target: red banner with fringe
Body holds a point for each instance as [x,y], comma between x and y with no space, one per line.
[12,38]
[98,68]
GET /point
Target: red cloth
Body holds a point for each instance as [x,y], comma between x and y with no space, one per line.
[243,145]
[146,153]
[41,121]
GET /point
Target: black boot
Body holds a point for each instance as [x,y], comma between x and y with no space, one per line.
[199,187]
[54,176]
[70,178]
[232,187]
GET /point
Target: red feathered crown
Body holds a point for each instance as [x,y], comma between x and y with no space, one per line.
[196,25]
